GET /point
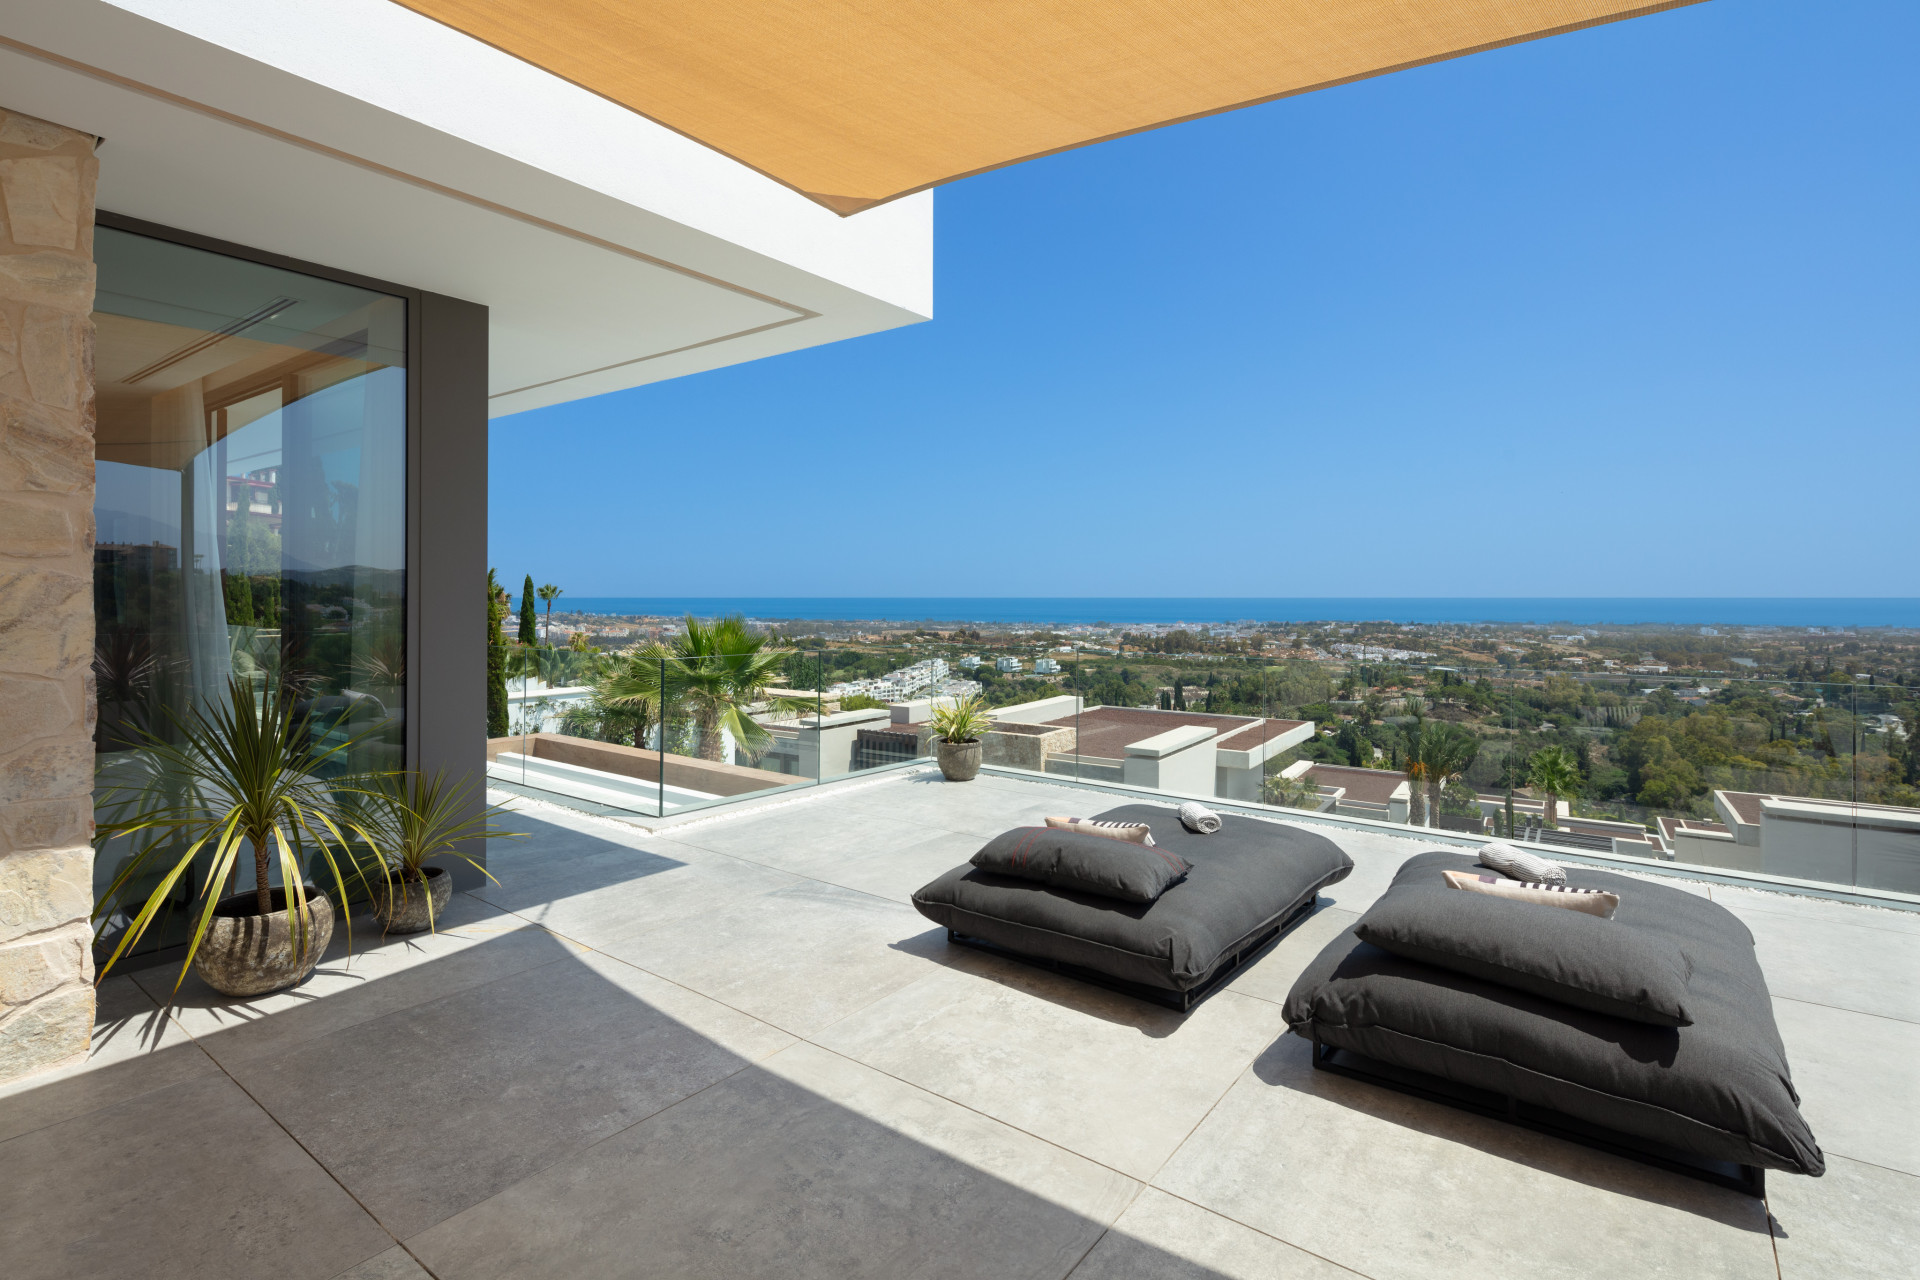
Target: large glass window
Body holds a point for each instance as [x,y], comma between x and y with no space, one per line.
[251,497]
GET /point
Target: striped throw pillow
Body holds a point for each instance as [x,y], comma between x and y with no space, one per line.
[1132,832]
[1593,902]
[1518,864]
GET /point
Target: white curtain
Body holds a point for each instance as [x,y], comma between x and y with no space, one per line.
[180,415]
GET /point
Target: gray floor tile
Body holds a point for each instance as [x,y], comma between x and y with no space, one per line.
[193,1181]
[433,1108]
[896,873]
[593,911]
[1741,901]
[1828,959]
[1402,1189]
[808,1167]
[396,973]
[1376,860]
[1272,976]
[1161,1237]
[800,958]
[1855,1222]
[802,837]
[1859,1087]
[1062,1059]
[395,1264]
[135,1050]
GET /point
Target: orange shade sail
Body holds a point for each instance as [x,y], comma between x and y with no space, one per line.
[855,102]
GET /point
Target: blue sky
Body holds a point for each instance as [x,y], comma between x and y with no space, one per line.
[1633,311]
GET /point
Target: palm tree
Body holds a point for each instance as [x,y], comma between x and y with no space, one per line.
[715,670]
[1446,753]
[548,594]
[1554,773]
[1416,772]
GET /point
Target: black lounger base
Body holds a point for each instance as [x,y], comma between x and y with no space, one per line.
[1242,954]
[1745,1178]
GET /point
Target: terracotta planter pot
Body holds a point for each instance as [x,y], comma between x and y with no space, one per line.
[404,910]
[959,761]
[247,954]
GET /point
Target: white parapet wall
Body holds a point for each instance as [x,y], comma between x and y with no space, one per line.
[1180,760]
[1039,712]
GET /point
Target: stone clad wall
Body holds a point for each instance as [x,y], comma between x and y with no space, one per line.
[46,592]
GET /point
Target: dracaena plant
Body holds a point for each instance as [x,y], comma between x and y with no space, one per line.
[235,775]
[411,817]
[962,721]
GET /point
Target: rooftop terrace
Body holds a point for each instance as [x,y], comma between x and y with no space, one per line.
[728,1047]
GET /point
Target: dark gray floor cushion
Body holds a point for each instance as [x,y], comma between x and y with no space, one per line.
[1244,877]
[1718,1088]
[1607,965]
[1069,859]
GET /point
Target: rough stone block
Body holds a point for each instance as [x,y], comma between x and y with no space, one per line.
[29,528]
[46,623]
[43,199]
[33,968]
[45,824]
[43,449]
[47,1033]
[51,346]
[47,770]
[48,278]
[44,889]
[34,708]
[30,131]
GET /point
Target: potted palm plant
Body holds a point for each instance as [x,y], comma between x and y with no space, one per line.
[958,728]
[236,775]
[409,818]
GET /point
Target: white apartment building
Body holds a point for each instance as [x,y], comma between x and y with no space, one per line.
[1006,664]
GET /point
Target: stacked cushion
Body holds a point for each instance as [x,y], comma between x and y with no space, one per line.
[1069,858]
[1244,878]
[1718,1087]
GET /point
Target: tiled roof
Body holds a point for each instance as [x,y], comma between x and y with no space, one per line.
[1249,738]
[1373,785]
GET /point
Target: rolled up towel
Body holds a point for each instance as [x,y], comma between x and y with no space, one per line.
[1199,818]
[1518,864]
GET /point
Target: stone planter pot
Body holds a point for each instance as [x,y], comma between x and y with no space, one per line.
[408,914]
[959,761]
[247,954]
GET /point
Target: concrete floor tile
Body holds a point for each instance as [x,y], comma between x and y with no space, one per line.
[1403,1189]
[1272,976]
[799,958]
[1742,901]
[802,837]
[1376,860]
[1831,960]
[135,1050]
[809,1167]
[435,1107]
[192,1181]
[591,910]
[1161,1237]
[1062,1059]
[395,1264]
[896,873]
[1855,1222]
[1858,1083]
[396,973]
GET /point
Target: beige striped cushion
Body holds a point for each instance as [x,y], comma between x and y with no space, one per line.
[1594,902]
[1132,832]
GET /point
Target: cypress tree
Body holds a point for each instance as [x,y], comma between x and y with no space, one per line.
[496,660]
[1179,697]
[528,634]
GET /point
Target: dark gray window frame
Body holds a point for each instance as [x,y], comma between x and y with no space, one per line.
[446,510]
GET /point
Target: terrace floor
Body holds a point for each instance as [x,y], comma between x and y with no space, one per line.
[730,1048]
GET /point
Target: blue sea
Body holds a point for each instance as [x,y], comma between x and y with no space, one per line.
[1903,612]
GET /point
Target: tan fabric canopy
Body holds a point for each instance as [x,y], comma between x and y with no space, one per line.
[854,102]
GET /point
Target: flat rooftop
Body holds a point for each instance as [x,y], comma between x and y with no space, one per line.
[729,1047]
[1106,731]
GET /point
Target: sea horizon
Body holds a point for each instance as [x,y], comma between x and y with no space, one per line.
[1761,611]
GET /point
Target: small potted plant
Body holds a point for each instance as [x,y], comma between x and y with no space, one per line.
[409,818]
[237,775]
[958,728]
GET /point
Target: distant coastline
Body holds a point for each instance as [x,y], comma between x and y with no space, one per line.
[1899,612]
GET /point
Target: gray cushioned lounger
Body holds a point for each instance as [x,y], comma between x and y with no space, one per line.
[1248,881]
[1718,1089]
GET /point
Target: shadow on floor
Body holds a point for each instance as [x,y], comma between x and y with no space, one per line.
[1288,1064]
[509,1104]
